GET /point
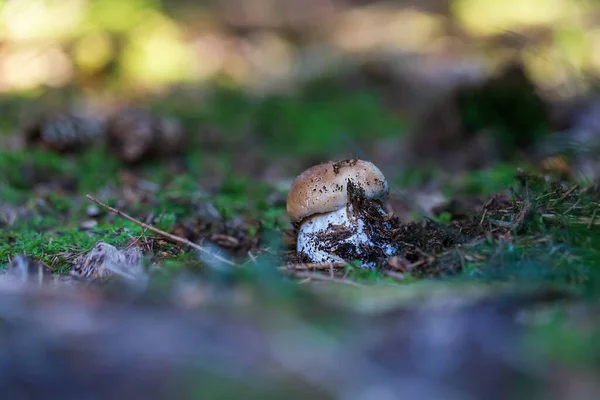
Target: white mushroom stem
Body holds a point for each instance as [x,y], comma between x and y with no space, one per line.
[310,241]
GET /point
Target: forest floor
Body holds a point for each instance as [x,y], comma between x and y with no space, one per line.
[494,292]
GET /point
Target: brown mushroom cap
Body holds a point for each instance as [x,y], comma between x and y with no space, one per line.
[322,188]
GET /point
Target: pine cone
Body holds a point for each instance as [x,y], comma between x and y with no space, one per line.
[63,132]
[134,135]
[170,136]
[130,134]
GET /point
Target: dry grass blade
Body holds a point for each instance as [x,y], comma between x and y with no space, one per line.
[567,193]
[523,217]
[395,275]
[313,266]
[174,238]
[307,276]
[593,219]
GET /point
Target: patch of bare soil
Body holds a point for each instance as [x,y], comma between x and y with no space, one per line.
[238,235]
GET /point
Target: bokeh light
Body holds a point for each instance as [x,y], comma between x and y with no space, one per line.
[156,53]
[263,45]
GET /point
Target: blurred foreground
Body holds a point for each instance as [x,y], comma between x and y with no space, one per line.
[454,343]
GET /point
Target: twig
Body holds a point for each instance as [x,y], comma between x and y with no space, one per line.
[500,223]
[174,238]
[419,250]
[463,263]
[483,217]
[572,207]
[593,218]
[416,264]
[252,257]
[589,222]
[523,217]
[395,275]
[567,193]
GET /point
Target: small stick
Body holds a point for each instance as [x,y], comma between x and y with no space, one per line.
[483,217]
[395,275]
[567,193]
[521,219]
[593,218]
[572,207]
[174,238]
[252,257]
[416,264]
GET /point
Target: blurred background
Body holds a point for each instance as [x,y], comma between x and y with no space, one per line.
[108,47]
[108,52]
[412,85]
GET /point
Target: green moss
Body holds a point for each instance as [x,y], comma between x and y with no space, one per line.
[94,169]
[18,169]
[11,195]
[416,176]
[322,116]
[21,170]
[486,182]
[54,244]
[315,124]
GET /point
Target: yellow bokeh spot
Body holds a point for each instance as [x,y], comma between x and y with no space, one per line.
[383,26]
[25,68]
[487,17]
[93,51]
[573,45]
[594,54]
[41,19]
[156,53]
[550,71]
[118,15]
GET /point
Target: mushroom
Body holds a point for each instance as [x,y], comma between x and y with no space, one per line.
[338,210]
